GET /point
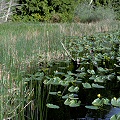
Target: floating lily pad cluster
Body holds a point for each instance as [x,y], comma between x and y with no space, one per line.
[93,67]
[99,64]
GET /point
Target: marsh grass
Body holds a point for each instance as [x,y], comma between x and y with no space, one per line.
[23,46]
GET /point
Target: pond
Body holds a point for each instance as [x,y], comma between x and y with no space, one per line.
[86,86]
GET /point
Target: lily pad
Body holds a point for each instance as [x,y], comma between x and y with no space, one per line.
[52,106]
[97,86]
[100,69]
[67,102]
[65,96]
[86,85]
[99,79]
[74,103]
[98,102]
[73,89]
[118,78]
[53,93]
[91,72]
[92,107]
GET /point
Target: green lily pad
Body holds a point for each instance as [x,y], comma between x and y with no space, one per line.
[81,75]
[106,101]
[86,85]
[92,107]
[118,78]
[73,96]
[98,102]
[67,102]
[97,86]
[69,78]
[115,102]
[52,106]
[114,117]
[59,73]
[56,81]
[65,96]
[73,89]
[74,103]
[48,82]
[92,77]
[99,79]
[91,72]
[111,76]
[80,49]
[100,69]
[64,83]
[53,93]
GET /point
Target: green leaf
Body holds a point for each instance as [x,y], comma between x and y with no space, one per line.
[74,103]
[97,86]
[81,75]
[52,106]
[53,93]
[111,76]
[64,83]
[98,102]
[78,81]
[59,73]
[91,72]
[106,101]
[101,69]
[73,89]
[56,81]
[48,82]
[92,77]
[67,102]
[92,107]
[114,101]
[38,74]
[118,78]
[73,96]
[99,79]
[86,85]
[114,117]
[69,78]
[65,96]
[62,68]
[80,49]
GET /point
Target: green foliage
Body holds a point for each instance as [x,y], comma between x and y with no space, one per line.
[89,13]
[116,7]
[114,4]
[46,10]
[115,117]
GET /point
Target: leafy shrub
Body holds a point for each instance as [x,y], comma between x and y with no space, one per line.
[89,13]
[46,10]
[116,7]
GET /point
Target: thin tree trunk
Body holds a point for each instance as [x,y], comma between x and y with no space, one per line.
[8,11]
[90,2]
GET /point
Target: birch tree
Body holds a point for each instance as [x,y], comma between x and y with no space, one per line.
[6,9]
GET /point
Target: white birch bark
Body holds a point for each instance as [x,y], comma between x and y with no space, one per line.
[90,2]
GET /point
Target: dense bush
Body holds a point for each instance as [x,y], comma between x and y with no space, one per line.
[46,10]
[63,10]
[87,13]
